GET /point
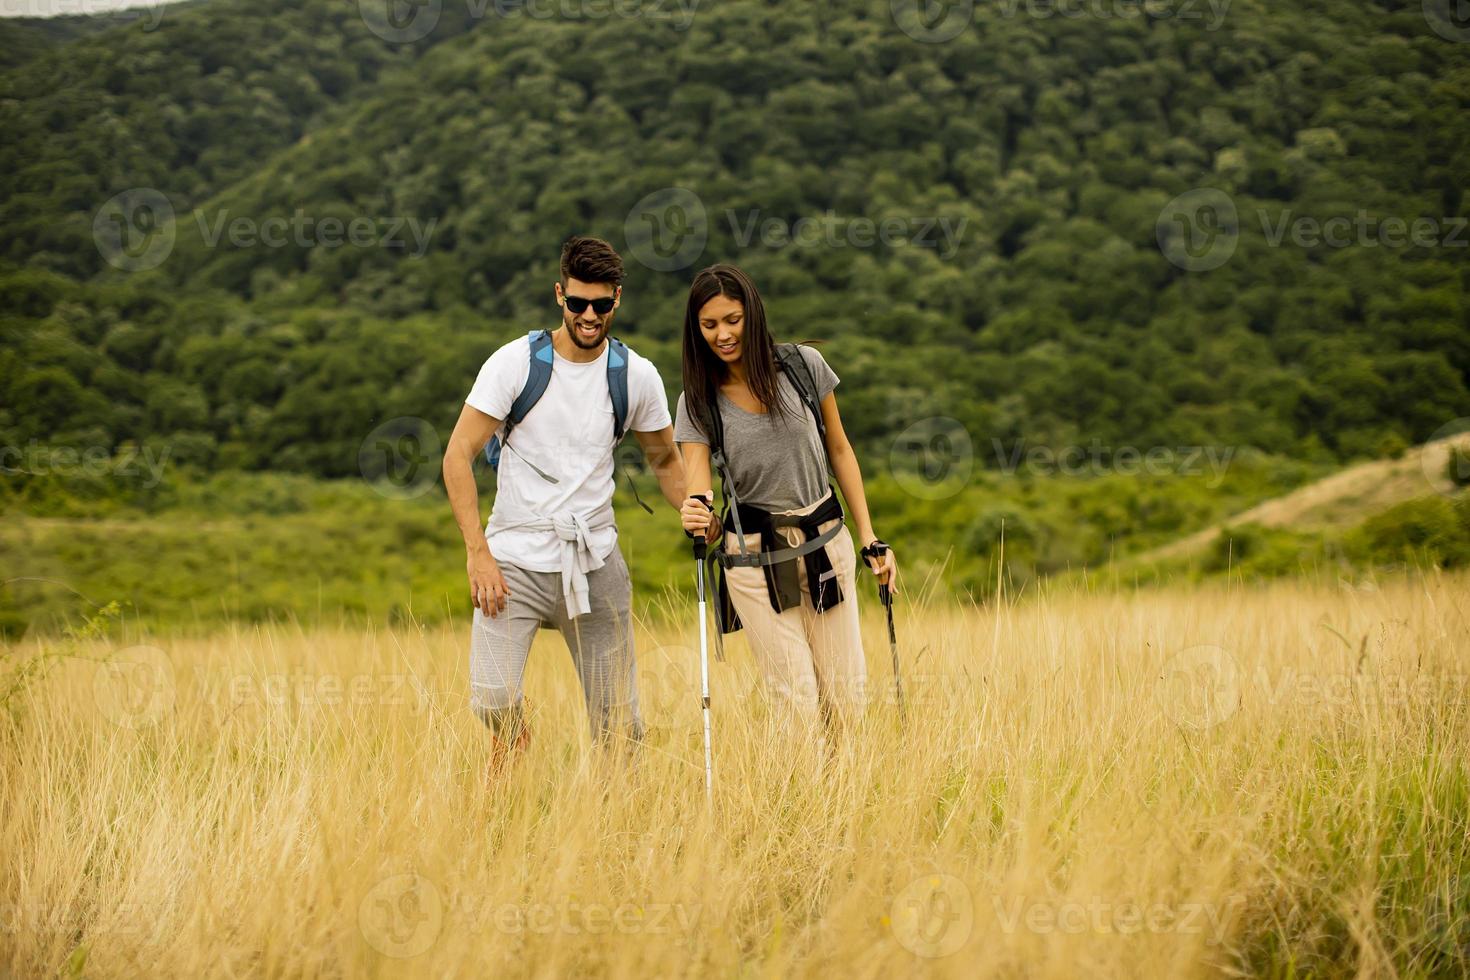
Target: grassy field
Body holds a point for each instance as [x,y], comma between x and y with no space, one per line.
[1177,783]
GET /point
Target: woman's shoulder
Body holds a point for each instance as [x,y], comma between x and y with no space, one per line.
[809,353]
[821,371]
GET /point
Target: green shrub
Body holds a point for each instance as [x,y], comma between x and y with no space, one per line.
[1457,466]
[1431,530]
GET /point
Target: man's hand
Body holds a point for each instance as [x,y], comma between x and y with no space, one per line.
[488,590]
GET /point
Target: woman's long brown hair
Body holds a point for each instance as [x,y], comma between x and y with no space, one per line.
[703,370]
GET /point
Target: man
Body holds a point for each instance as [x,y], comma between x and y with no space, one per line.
[549,555]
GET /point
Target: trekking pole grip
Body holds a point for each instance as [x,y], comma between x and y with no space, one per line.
[701,543]
[878,549]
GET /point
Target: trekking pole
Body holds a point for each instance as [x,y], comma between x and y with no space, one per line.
[885,595]
[701,549]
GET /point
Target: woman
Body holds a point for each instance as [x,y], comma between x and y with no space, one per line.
[759,403]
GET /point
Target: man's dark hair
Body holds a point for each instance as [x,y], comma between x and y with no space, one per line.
[590,260]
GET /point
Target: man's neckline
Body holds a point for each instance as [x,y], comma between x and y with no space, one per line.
[606,343]
[563,359]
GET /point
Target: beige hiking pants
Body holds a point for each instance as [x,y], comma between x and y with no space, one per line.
[812,662]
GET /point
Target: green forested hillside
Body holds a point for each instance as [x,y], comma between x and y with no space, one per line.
[1036,156]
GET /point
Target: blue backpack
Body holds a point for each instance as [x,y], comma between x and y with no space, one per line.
[542,358]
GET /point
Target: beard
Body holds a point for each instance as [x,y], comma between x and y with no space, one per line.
[573,331]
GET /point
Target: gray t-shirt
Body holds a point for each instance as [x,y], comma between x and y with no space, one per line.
[776,464]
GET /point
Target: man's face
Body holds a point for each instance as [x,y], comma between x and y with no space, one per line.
[588,328]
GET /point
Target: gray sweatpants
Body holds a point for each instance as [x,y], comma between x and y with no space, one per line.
[600,642]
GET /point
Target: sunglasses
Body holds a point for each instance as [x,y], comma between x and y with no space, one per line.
[601,306]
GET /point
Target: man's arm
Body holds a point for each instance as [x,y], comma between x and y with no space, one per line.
[488,590]
[663,458]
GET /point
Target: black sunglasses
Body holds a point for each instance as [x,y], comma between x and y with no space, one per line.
[602,306]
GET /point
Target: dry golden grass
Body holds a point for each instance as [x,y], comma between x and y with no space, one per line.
[1167,783]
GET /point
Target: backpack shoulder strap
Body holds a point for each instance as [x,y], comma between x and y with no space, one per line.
[713,425]
[618,360]
[542,357]
[788,356]
[617,385]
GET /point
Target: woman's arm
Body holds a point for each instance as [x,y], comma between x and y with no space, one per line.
[850,480]
[694,516]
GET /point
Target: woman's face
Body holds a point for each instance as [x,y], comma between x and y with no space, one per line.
[722,320]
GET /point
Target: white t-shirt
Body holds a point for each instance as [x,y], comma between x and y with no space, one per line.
[568,433]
